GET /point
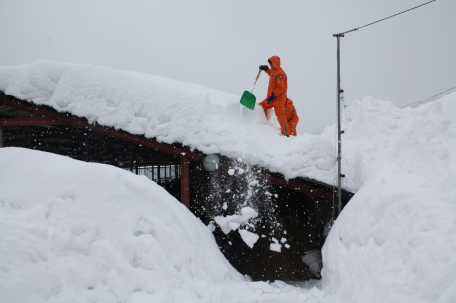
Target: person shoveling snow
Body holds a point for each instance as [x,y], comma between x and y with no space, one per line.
[277,92]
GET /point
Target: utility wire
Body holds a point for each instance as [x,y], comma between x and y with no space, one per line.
[355,29]
[435,97]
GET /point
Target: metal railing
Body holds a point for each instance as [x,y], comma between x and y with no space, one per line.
[160,173]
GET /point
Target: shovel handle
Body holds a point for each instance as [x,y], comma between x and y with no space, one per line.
[255,81]
[258,76]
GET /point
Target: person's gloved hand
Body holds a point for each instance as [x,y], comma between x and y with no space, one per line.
[264,67]
[271,98]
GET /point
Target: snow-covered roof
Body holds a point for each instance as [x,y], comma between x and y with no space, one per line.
[171,111]
[215,122]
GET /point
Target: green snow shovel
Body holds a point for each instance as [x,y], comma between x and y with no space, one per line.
[248,99]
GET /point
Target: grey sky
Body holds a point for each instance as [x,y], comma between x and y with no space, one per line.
[219,44]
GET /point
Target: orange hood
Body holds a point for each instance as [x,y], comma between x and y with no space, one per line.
[275,60]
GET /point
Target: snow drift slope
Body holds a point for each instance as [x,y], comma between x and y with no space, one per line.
[396,239]
[72,231]
[83,232]
[171,111]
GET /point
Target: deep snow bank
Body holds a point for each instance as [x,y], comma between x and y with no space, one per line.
[172,111]
[396,239]
[72,231]
[75,231]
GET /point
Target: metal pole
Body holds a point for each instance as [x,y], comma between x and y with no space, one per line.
[339,154]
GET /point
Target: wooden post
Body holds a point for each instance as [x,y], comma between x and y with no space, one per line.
[86,151]
[185,181]
[1,136]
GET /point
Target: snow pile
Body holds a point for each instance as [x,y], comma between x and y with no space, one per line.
[75,231]
[396,239]
[83,232]
[171,111]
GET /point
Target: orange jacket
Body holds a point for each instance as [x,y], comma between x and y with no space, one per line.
[290,110]
[292,117]
[277,79]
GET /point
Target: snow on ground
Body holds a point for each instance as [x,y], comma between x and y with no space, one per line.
[74,231]
[396,239]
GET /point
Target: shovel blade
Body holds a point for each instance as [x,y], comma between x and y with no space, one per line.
[248,100]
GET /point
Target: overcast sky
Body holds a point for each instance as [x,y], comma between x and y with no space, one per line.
[220,44]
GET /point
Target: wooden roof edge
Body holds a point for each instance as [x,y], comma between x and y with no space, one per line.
[50,113]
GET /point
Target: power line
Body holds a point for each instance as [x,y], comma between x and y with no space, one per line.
[355,29]
[433,98]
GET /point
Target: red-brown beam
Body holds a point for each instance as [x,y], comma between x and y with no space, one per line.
[309,190]
[185,181]
[14,122]
[39,137]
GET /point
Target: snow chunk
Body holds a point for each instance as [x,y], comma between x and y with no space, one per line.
[229,223]
[211,227]
[249,238]
[234,225]
[275,247]
[224,222]
[248,213]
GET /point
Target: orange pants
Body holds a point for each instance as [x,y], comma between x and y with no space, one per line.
[292,122]
[278,104]
[292,116]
